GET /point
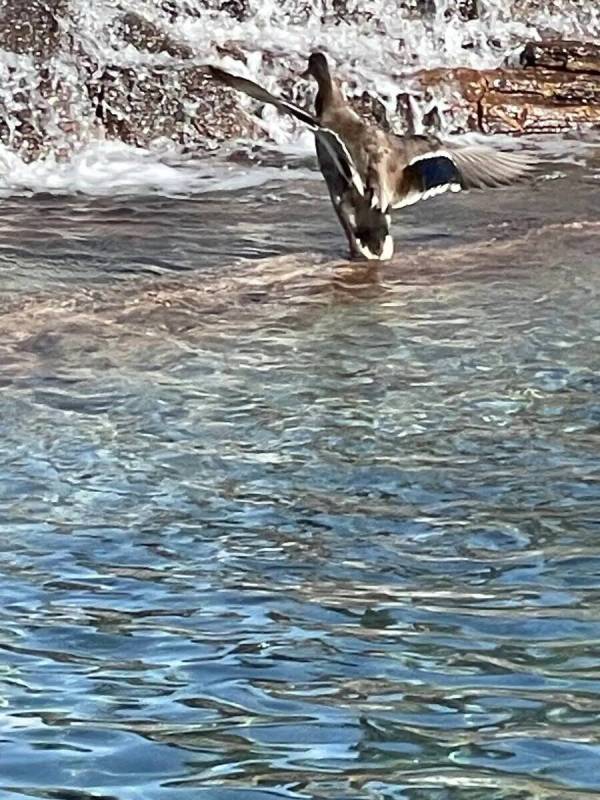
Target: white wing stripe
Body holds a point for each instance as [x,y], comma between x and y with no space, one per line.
[356,179]
[430,154]
[413,197]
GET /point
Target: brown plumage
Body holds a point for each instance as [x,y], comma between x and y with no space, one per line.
[370,172]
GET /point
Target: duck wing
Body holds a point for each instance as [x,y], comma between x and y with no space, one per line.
[338,158]
[482,166]
[367,226]
[262,95]
[433,167]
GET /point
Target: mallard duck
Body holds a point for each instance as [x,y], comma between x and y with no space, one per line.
[369,172]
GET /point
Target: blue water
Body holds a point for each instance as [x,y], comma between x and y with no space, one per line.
[288,529]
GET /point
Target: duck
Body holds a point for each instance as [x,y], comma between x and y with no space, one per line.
[370,172]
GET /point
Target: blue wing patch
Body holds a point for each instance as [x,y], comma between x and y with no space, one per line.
[430,175]
[433,172]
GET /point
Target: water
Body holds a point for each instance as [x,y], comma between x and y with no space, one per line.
[276,527]
[54,114]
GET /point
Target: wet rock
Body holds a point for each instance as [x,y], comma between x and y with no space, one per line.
[576,87]
[217,113]
[348,11]
[516,100]
[562,55]
[32,27]
[501,113]
[424,7]
[232,49]
[182,105]
[54,103]
[239,9]
[464,9]
[144,35]
[469,84]
[39,101]
[469,9]
[539,101]
[58,90]
[432,119]
[176,8]
[453,97]
[36,98]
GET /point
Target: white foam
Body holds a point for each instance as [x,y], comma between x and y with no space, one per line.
[377,46]
[114,168]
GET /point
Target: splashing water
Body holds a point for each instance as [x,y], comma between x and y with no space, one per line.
[50,100]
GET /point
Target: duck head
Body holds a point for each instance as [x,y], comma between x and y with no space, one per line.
[317,68]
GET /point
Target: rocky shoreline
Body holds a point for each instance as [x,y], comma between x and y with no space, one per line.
[555,89]
[56,92]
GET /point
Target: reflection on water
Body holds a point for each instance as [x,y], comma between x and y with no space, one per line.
[285,529]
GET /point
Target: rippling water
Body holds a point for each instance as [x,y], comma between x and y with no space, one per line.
[282,528]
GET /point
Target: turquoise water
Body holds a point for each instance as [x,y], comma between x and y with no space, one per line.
[281,528]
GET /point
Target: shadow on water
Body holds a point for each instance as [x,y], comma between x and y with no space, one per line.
[289,528]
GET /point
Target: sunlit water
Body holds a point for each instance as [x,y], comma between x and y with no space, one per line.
[277,527]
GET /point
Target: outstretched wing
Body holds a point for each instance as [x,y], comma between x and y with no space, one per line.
[427,176]
[482,166]
[338,156]
[263,96]
[433,167]
[368,226]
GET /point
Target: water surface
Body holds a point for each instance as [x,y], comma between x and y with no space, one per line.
[272,526]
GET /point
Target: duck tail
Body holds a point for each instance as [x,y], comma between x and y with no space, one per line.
[371,230]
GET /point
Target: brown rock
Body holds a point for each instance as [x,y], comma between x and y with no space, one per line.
[516,100]
[38,116]
[144,35]
[575,87]
[36,103]
[562,55]
[232,49]
[32,26]
[462,90]
[217,113]
[539,100]
[184,105]
[518,114]
[470,83]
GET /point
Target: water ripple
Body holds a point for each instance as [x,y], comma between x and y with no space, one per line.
[299,530]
